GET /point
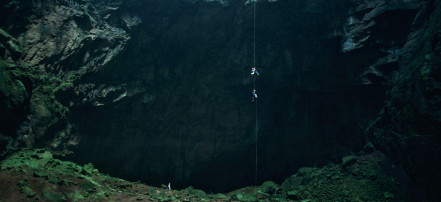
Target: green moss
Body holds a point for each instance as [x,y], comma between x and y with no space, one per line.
[245,197]
[88,187]
[27,158]
[53,196]
[78,196]
[9,41]
[4,34]
[15,47]
[104,194]
[11,87]
[27,190]
[196,192]
[269,188]
[17,93]
[88,169]
[330,183]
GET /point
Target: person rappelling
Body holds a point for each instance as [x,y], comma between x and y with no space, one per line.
[254,97]
[254,71]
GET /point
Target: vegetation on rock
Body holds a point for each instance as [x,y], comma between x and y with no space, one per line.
[37,175]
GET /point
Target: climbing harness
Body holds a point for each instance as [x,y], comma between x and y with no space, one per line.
[254,71]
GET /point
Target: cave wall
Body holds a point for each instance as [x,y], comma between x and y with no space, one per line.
[160,91]
[408,128]
[184,112]
[46,45]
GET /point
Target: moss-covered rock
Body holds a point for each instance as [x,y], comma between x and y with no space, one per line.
[412,116]
[196,192]
[364,179]
[244,197]
[61,180]
[11,45]
[12,91]
[408,129]
[26,189]
[88,169]
[53,196]
[269,187]
[41,174]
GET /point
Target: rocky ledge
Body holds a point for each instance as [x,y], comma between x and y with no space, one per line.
[38,175]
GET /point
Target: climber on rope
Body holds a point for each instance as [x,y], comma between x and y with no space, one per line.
[254,97]
[254,71]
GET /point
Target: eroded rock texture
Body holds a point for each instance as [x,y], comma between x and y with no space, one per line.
[159,91]
[184,111]
[400,41]
[54,44]
[408,128]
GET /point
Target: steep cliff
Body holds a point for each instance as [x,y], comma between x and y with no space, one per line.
[159,91]
[409,125]
[55,43]
[184,111]
[399,40]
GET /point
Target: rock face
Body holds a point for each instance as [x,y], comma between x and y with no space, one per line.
[366,177]
[55,44]
[160,91]
[399,40]
[183,111]
[409,126]
[374,36]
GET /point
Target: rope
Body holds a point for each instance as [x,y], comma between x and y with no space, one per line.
[254,58]
[254,63]
[255,176]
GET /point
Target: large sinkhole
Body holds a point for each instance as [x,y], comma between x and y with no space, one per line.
[182,109]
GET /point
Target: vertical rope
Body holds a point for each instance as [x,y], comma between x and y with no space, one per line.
[255,176]
[254,63]
[254,42]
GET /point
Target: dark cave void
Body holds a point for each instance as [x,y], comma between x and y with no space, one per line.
[188,118]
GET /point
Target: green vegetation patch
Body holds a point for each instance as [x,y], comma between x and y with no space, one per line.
[53,196]
[39,174]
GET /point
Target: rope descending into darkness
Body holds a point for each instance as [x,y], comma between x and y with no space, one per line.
[254,63]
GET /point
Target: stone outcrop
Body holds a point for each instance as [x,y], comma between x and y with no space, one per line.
[14,95]
[395,45]
[159,91]
[37,175]
[375,33]
[408,128]
[55,44]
